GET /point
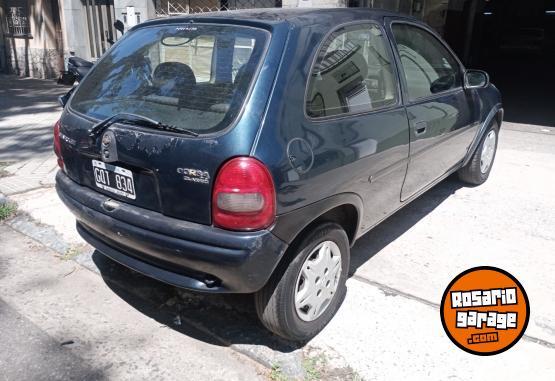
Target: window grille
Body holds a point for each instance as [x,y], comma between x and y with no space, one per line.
[17,20]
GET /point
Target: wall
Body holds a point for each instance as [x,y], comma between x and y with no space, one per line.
[144,8]
[76,40]
[39,53]
[313,3]
[433,12]
[3,53]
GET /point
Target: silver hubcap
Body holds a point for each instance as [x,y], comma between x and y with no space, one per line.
[488,151]
[318,280]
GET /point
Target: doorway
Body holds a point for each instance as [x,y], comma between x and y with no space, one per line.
[514,41]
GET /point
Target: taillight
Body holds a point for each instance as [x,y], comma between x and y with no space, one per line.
[244,195]
[58,145]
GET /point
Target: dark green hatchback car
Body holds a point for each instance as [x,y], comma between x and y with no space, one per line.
[247,151]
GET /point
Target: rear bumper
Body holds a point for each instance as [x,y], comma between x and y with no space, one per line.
[181,253]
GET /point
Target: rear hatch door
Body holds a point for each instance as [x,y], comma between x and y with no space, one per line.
[196,78]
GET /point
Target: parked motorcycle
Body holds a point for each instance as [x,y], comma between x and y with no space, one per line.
[77,68]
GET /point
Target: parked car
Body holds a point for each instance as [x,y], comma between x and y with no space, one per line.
[246,152]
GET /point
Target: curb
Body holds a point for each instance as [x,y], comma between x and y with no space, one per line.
[255,343]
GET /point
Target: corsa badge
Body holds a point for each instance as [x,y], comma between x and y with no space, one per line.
[194,175]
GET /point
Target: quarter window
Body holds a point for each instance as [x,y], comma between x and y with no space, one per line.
[427,65]
[353,73]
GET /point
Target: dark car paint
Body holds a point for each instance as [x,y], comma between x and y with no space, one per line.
[170,248]
[317,165]
[147,152]
[441,127]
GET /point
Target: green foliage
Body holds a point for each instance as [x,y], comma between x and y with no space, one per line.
[313,366]
[70,253]
[276,374]
[7,210]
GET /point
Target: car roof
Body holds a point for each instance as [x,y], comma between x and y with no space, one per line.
[296,16]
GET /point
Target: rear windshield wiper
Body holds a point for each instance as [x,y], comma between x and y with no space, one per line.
[136,120]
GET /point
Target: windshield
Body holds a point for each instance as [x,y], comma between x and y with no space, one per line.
[191,76]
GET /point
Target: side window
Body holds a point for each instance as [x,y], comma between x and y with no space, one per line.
[353,73]
[428,67]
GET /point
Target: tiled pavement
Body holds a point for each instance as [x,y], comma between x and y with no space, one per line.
[28,175]
[28,111]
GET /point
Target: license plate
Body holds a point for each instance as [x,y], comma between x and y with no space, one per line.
[114,179]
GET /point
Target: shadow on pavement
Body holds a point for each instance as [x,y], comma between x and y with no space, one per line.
[389,230]
[29,353]
[231,319]
[216,319]
[28,111]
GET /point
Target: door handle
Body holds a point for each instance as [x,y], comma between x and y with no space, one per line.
[420,128]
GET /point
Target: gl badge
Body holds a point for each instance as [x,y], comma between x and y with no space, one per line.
[108,147]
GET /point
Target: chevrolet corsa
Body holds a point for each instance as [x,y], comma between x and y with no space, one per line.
[245,152]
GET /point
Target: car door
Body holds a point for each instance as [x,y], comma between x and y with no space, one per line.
[438,108]
[355,120]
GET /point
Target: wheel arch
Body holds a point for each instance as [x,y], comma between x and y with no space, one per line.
[495,115]
[499,116]
[344,209]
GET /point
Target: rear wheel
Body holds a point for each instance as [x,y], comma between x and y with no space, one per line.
[477,170]
[300,300]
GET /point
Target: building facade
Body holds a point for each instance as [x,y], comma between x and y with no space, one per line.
[31,42]
[37,36]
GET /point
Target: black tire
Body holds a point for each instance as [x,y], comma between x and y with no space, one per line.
[471,173]
[275,303]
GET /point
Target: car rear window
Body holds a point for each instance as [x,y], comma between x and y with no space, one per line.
[191,76]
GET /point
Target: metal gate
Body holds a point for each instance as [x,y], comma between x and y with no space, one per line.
[180,7]
[100,17]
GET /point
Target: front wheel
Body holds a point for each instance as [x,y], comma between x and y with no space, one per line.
[301,302]
[477,170]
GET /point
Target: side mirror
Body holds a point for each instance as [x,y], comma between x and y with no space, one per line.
[474,79]
[119,26]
